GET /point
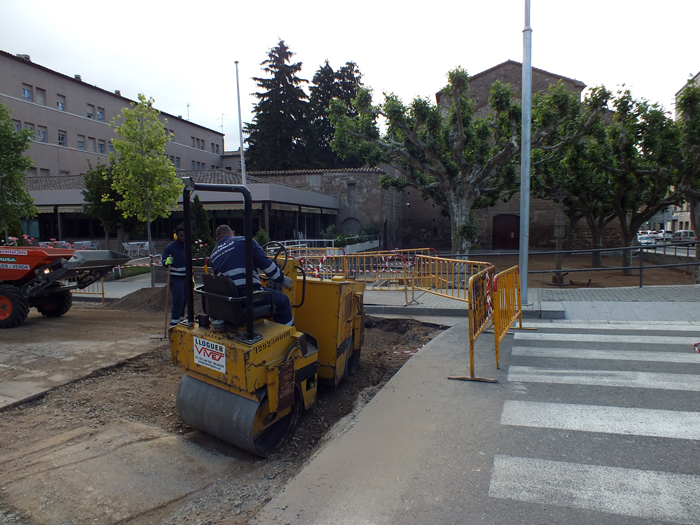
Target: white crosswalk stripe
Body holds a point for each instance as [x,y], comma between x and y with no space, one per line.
[611,420]
[595,486]
[614,355]
[629,492]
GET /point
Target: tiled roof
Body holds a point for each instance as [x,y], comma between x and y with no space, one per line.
[519,64]
[70,182]
[322,171]
[220,176]
[216,176]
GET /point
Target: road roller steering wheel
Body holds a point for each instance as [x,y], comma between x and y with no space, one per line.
[282,248]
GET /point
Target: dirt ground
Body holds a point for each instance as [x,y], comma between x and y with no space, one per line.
[599,279]
[111,448]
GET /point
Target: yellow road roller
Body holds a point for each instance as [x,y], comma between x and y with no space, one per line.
[247,380]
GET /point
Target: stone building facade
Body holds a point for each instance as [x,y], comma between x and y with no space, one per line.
[362,202]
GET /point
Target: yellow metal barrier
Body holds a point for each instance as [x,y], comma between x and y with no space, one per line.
[480,316]
[378,272]
[506,305]
[96,288]
[297,252]
[445,277]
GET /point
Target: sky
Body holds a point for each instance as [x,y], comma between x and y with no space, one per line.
[183,53]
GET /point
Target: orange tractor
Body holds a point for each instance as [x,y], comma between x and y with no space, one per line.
[44,277]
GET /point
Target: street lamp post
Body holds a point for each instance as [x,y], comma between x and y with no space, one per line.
[240,127]
[525,155]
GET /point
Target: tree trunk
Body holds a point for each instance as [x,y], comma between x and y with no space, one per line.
[694,222]
[120,236]
[596,240]
[459,218]
[570,234]
[626,254]
[150,242]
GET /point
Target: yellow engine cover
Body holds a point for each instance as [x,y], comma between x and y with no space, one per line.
[332,314]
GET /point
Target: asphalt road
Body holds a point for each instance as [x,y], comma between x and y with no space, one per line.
[589,423]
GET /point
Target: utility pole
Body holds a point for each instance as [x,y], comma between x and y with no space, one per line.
[525,155]
[240,127]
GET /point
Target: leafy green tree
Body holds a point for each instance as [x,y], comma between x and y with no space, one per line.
[634,154]
[278,137]
[143,175]
[101,198]
[460,160]
[200,222]
[325,86]
[15,200]
[686,159]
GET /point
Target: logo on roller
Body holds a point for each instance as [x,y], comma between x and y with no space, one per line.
[210,354]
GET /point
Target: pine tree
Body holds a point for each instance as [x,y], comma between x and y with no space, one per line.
[327,85]
[278,137]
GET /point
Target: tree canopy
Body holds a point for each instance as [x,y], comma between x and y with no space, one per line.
[327,85]
[100,198]
[15,200]
[143,175]
[454,156]
[278,137]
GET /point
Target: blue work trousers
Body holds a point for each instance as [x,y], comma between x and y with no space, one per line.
[283,310]
[177,289]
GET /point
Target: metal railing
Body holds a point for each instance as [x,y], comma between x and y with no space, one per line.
[96,288]
[445,277]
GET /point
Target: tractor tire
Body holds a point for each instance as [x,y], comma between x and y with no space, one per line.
[13,307]
[55,304]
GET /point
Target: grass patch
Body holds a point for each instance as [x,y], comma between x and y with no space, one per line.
[130,271]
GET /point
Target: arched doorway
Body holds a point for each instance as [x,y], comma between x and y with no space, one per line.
[506,232]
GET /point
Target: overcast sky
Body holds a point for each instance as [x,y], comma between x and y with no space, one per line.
[183,53]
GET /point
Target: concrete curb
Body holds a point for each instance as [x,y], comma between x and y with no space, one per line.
[548,310]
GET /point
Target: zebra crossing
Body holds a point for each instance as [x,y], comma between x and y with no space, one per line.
[602,419]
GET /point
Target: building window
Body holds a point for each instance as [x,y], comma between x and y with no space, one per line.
[192,165]
[197,143]
[62,138]
[64,173]
[172,135]
[177,162]
[201,145]
[41,96]
[90,111]
[217,148]
[110,147]
[17,124]
[27,92]
[41,134]
[91,144]
[101,114]
[192,141]
[81,142]
[172,160]
[101,147]
[44,172]
[32,172]
[61,102]
[212,147]
[30,127]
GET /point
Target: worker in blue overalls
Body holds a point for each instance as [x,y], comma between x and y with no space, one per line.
[174,258]
[228,258]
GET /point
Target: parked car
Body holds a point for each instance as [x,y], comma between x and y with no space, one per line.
[664,236]
[644,232]
[646,240]
[685,237]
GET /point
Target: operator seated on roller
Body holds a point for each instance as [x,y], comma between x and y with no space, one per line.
[228,258]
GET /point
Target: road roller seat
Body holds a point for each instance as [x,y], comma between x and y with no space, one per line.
[222,301]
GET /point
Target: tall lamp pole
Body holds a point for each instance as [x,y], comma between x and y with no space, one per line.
[240,126]
[525,155]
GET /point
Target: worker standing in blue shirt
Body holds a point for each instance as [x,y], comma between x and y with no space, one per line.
[174,258]
[228,258]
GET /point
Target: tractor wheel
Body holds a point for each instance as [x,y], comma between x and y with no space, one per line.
[13,307]
[55,304]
